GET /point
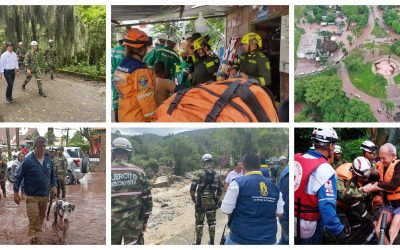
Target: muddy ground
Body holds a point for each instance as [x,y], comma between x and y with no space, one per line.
[172,221]
[88,225]
[69,99]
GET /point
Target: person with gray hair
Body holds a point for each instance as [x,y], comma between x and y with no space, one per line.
[389,184]
[37,171]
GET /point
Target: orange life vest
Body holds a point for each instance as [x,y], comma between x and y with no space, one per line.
[387,177]
[136,101]
[343,171]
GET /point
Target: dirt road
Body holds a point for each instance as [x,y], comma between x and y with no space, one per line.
[69,99]
[172,221]
[88,225]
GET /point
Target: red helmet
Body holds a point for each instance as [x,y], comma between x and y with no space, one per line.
[136,38]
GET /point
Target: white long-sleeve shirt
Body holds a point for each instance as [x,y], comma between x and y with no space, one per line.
[229,202]
[8,61]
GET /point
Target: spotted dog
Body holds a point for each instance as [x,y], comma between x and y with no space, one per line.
[62,216]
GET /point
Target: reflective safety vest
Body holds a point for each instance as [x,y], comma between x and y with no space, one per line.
[387,177]
[303,168]
[135,84]
[343,171]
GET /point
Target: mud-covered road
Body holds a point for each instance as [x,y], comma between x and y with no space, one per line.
[172,221]
[88,225]
[69,99]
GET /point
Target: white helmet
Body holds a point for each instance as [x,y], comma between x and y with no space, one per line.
[362,166]
[34,43]
[120,36]
[162,36]
[282,158]
[337,149]
[173,39]
[121,143]
[206,157]
[325,135]
[368,146]
[51,41]
[20,43]
[187,36]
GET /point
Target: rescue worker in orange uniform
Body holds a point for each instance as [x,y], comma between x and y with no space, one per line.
[134,81]
[389,172]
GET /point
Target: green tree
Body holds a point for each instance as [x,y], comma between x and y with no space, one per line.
[354,61]
[77,139]
[350,39]
[389,107]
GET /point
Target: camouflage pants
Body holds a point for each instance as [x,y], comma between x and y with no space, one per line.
[61,186]
[50,67]
[131,231]
[37,77]
[200,214]
[3,187]
[36,210]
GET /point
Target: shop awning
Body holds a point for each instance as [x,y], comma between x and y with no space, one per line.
[123,15]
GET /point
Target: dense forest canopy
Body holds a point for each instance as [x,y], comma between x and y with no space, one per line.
[325,101]
[79,32]
[184,150]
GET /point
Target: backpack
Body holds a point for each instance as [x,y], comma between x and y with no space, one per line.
[232,100]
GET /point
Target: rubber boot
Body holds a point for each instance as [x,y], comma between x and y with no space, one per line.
[42,93]
[23,86]
[52,77]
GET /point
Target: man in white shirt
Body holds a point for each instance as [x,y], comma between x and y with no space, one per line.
[8,67]
[235,173]
[253,203]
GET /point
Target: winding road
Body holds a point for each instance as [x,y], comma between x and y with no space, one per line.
[393,91]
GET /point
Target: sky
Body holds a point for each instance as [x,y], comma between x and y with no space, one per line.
[156,131]
[57,131]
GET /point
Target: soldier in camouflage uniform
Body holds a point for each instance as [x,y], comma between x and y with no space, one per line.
[31,63]
[131,202]
[61,171]
[351,201]
[337,157]
[282,164]
[20,53]
[368,149]
[50,58]
[3,174]
[208,186]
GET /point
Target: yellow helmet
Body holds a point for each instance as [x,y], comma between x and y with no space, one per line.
[251,36]
[198,43]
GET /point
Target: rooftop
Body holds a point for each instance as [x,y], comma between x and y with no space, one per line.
[308,42]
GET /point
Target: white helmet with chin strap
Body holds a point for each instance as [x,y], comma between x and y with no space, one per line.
[327,135]
[206,158]
[362,166]
[337,149]
[368,146]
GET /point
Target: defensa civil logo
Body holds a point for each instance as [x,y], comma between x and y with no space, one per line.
[263,189]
